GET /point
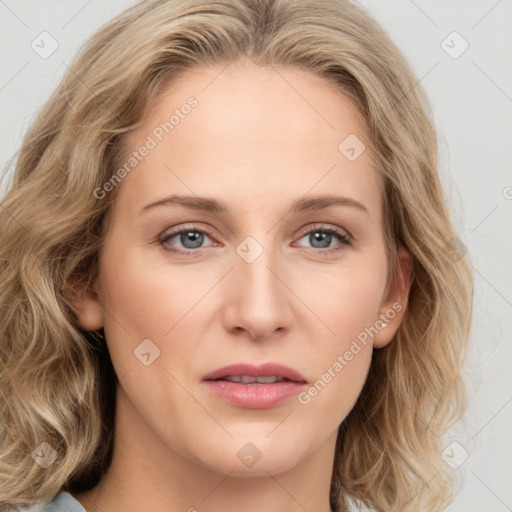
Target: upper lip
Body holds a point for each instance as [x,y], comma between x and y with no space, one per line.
[264,370]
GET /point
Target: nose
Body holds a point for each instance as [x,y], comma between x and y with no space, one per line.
[258,300]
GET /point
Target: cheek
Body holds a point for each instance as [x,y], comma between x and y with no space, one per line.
[143,302]
[149,298]
[346,297]
[348,305]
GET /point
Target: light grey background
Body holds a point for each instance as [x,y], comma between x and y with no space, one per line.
[471,94]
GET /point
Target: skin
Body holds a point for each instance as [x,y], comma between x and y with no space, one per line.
[258,139]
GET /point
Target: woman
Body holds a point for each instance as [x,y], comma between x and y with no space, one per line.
[229,275]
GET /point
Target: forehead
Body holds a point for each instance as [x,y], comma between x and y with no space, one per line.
[254,134]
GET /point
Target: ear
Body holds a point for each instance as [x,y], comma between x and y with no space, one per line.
[85,301]
[394,301]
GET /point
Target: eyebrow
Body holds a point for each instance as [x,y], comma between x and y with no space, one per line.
[214,206]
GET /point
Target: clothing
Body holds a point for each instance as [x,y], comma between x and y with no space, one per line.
[63,502]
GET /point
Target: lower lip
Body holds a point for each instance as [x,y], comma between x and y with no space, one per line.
[254,396]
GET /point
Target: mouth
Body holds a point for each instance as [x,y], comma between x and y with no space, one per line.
[249,379]
[269,373]
[255,387]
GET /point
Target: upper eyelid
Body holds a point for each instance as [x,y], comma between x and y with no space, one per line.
[320,227]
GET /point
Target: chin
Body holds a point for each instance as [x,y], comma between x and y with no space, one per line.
[245,460]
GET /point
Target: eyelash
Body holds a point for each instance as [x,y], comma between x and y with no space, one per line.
[343,237]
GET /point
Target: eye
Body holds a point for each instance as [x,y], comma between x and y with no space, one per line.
[185,240]
[327,239]
[190,240]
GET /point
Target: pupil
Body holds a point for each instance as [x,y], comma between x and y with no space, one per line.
[323,238]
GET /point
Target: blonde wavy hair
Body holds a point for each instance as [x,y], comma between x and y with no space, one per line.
[57,383]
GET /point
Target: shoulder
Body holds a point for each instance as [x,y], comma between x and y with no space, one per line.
[63,502]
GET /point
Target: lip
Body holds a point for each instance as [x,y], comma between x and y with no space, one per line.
[264,370]
[255,396]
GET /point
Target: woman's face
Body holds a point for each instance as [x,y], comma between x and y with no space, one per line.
[281,261]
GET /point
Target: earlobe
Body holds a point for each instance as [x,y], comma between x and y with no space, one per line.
[394,303]
[87,308]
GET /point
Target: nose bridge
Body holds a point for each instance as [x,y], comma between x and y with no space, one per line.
[259,303]
[252,268]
